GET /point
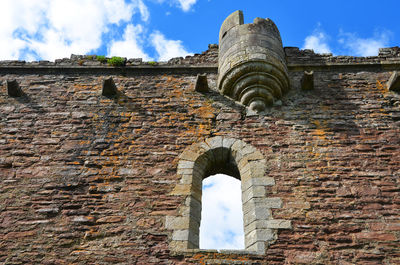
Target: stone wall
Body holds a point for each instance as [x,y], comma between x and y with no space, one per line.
[294,56]
[87,179]
[209,57]
[307,57]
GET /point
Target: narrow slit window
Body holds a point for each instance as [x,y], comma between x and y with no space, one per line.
[221,224]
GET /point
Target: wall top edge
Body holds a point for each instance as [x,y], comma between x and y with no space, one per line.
[208,60]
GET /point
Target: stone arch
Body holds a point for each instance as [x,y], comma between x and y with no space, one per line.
[237,159]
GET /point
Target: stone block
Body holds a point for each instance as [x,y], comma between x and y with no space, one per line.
[252,213]
[181,189]
[234,19]
[248,149]
[83,219]
[180,235]
[253,192]
[307,81]
[258,235]
[197,180]
[185,164]
[110,219]
[194,237]
[219,153]
[178,246]
[48,211]
[109,88]
[228,142]
[200,147]
[186,176]
[258,247]
[195,207]
[268,224]
[177,223]
[214,142]
[268,203]
[273,202]
[201,84]
[257,181]
[196,193]
[13,88]
[259,56]
[235,149]
[279,224]
[250,163]
[204,162]
[253,166]
[188,155]
[255,156]
[252,170]
[394,82]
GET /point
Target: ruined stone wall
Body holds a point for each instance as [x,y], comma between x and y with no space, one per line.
[308,57]
[86,179]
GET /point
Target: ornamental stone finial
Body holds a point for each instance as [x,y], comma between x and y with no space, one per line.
[251,65]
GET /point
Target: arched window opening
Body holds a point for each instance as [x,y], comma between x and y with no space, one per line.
[223,155]
[221,224]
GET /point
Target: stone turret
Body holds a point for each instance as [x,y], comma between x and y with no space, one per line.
[251,66]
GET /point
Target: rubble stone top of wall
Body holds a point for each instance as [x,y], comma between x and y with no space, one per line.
[209,58]
[296,56]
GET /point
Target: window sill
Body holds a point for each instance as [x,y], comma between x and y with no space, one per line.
[188,252]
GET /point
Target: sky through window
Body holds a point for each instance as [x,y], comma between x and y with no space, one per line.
[222,216]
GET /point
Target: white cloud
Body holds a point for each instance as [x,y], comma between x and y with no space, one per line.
[222,216]
[51,29]
[167,49]
[130,46]
[347,43]
[186,4]
[364,46]
[318,41]
[144,12]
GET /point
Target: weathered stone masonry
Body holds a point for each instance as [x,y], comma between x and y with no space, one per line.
[87,178]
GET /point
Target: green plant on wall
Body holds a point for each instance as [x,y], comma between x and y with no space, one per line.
[101,58]
[116,61]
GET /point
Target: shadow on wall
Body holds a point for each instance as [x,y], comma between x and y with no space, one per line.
[30,102]
[331,108]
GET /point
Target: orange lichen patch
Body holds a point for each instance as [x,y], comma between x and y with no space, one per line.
[381,86]
[317,150]
[205,111]
[83,87]
[73,163]
[320,131]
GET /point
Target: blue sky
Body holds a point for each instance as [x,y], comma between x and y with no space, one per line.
[161,29]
